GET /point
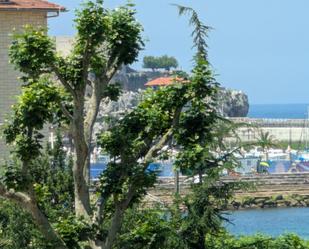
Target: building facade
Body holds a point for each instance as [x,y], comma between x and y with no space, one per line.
[14,15]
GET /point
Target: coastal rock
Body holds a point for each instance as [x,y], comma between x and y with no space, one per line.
[306,202]
[231,103]
[114,110]
[279,197]
[251,202]
[133,80]
[130,99]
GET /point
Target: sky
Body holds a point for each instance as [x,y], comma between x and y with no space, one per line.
[260,47]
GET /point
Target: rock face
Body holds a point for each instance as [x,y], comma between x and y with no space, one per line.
[126,102]
[132,80]
[232,103]
[112,110]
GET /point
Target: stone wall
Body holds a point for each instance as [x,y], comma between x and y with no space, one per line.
[9,84]
[280,190]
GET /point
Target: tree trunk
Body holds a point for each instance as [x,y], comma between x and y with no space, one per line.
[44,226]
[81,189]
[82,153]
[266,155]
[114,228]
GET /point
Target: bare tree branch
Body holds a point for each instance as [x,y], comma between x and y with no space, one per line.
[164,139]
[67,86]
[28,203]
[17,197]
[66,112]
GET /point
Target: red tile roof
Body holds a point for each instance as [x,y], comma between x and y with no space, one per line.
[30,5]
[164,81]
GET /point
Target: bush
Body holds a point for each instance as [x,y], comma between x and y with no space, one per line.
[226,241]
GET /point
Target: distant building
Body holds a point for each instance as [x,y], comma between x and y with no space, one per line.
[14,15]
[64,44]
[164,81]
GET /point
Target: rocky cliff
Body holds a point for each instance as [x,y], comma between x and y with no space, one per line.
[232,103]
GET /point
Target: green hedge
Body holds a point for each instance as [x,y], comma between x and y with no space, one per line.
[288,241]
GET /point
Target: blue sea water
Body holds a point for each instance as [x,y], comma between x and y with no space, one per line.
[289,111]
[273,222]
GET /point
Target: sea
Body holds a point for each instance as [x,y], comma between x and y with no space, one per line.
[272,222]
[279,111]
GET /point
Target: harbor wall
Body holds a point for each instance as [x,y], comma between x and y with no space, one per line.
[293,187]
[293,130]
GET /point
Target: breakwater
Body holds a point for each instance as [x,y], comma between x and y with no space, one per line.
[293,130]
[276,190]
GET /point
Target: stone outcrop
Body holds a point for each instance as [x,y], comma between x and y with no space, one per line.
[115,110]
[232,103]
[132,80]
[229,105]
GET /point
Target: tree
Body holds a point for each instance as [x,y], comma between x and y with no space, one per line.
[200,30]
[176,115]
[168,62]
[150,62]
[106,39]
[199,139]
[194,136]
[162,62]
[265,141]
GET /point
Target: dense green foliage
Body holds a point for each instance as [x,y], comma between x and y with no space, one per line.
[17,229]
[36,106]
[53,177]
[52,174]
[225,241]
[162,62]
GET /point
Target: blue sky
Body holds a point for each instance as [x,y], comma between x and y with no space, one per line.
[259,46]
